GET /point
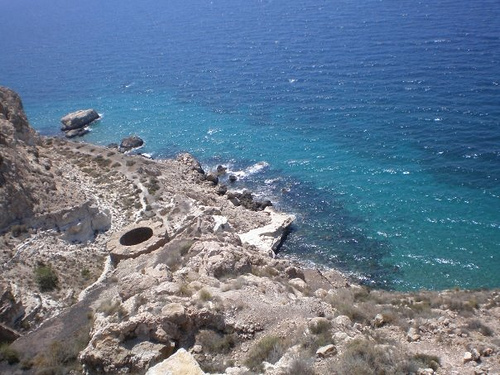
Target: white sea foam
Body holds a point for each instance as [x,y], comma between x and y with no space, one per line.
[253,169]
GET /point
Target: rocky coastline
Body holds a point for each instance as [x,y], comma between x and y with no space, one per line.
[116,264]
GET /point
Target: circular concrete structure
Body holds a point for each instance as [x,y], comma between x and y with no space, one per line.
[136,240]
[136,236]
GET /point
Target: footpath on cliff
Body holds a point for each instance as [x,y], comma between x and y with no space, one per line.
[116,264]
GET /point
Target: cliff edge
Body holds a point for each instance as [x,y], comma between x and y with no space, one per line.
[116,264]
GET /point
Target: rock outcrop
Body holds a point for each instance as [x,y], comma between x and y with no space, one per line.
[78,119]
[130,143]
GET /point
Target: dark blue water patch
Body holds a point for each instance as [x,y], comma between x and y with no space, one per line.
[325,232]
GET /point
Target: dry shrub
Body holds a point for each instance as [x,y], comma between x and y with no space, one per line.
[216,343]
[362,357]
[477,325]
[301,365]
[268,349]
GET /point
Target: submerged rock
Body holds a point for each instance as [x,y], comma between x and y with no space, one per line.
[78,119]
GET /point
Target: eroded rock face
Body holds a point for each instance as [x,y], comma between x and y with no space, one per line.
[78,119]
[23,178]
[12,116]
[11,310]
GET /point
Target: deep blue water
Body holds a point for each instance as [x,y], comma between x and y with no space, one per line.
[376,122]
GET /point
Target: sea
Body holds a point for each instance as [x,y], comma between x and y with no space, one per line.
[375,122]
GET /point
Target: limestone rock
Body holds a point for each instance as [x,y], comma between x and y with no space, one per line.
[181,363]
[378,321]
[78,119]
[10,309]
[298,284]
[467,357]
[269,237]
[326,351]
[129,143]
[425,371]
[413,335]
[342,321]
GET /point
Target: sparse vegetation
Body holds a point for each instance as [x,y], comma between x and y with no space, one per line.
[61,357]
[109,307]
[8,354]
[215,343]
[46,278]
[477,325]
[205,295]
[269,348]
[301,365]
[426,361]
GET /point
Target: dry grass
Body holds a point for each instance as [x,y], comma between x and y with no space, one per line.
[269,349]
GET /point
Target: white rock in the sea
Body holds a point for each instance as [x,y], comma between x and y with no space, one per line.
[269,237]
[181,363]
[78,119]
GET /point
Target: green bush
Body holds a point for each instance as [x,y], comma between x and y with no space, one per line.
[8,354]
[46,278]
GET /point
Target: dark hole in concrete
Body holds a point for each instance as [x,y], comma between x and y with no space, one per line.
[136,236]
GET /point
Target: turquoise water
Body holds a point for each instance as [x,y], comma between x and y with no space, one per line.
[376,122]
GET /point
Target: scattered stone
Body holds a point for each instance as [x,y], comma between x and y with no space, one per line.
[425,371]
[233,178]
[413,335]
[180,363]
[213,178]
[476,357]
[467,357]
[378,321]
[342,321]
[326,351]
[129,143]
[487,352]
[78,119]
[221,190]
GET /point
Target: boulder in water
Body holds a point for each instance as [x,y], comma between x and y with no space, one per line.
[131,142]
[78,119]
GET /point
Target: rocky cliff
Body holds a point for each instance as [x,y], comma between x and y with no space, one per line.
[116,264]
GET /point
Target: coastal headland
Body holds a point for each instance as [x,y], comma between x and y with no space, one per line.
[113,263]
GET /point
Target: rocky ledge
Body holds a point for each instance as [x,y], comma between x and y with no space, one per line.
[116,264]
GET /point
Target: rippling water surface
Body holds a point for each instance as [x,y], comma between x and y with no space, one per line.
[376,122]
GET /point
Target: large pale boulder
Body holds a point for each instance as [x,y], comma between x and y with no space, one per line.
[78,119]
[268,238]
[181,363]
